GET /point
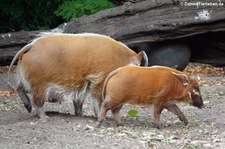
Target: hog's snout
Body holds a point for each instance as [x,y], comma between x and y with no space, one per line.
[198,102]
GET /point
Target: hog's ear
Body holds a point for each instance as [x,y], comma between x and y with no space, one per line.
[145,57]
[183,78]
[138,57]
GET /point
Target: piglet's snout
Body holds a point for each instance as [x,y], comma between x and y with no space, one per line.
[198,102]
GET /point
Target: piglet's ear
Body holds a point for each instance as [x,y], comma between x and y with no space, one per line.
[183,78]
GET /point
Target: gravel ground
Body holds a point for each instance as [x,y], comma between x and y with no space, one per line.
[206,128]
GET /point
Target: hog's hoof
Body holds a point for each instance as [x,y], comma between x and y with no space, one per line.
[43,118]
[119,124]
[41,113]
[99,123]
[79,114]
[28,107]
[185,121]
[156,125]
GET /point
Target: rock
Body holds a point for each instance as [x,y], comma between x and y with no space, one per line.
[174,53]
[222,135]
[88,127]
[207,145]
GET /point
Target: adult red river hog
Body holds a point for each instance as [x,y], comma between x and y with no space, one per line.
[69,67]
[158,86]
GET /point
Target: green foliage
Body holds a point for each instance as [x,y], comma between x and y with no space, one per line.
[45,14]
[78,8]
[174,66]
[28,15]
[132,113]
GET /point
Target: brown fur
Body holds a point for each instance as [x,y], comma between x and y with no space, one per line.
[158,86]
[71,62]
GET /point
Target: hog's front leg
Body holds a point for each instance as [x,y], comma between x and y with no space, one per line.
[172,107]
[157,111]
[78,108]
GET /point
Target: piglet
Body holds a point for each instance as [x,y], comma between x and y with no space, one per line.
[157,85]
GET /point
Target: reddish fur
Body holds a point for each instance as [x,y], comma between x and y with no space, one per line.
[67,60]
[156,86]
[148,86]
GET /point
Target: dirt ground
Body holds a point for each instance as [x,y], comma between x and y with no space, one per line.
[206,128]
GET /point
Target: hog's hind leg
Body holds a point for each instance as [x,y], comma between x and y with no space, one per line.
[102,114]
[23,96]
[116,115]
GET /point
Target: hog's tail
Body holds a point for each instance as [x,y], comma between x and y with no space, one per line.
[111,74]
[18,54]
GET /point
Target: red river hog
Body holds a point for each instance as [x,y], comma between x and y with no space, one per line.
[73,67]
[158,86]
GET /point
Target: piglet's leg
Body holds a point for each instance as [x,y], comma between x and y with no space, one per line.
[157,111]
[172,107]
[116,115]
[103,112]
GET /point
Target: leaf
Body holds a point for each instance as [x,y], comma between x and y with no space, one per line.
[174,66]
[78,8]
[6,93]
[221,93]
[132,113]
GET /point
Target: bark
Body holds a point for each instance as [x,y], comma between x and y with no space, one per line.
[150,21]
[11,43]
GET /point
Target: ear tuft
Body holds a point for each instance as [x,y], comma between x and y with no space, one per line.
[183,78]
[145,57]
[138,57]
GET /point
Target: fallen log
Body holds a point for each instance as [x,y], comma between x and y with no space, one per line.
[11,43]
[151,21]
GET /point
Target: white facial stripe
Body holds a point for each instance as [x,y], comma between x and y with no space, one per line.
[195,92]
[189,93]
[185,84]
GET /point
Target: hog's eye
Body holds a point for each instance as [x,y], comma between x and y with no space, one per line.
[196,90]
